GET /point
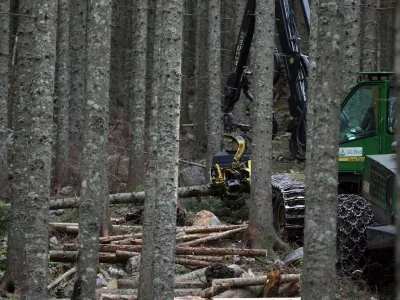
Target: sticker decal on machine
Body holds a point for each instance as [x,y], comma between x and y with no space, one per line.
[350,151]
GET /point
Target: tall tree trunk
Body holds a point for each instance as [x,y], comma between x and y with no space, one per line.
[351,44]
[4,61]
[201,86]
[78,10]
[94,192]
[228,38]
[386,34]
[261,229]
[62,94]
[214,80]
[167,160]
[241,109]
[369,36]
[146,260]
[397,84]
[33,143]
[138,98]
[189,40]
[322,163]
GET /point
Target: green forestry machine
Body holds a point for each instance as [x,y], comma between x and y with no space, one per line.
[367,123]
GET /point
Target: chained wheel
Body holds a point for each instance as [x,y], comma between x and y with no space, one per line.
[354,216]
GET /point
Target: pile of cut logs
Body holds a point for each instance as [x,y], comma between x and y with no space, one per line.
[189,252]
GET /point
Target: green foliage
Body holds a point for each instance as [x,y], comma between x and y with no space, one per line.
[269,241]
[5,217]
[139,188]
[3,260]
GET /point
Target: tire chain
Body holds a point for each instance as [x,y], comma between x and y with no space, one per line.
[354,216]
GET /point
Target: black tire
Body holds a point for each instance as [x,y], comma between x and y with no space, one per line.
[278,208]
[354,216]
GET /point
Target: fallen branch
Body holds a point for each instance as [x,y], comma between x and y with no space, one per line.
[212,238]
[211,291]
[72,228]
[198,274]
[61,278]
[208,229]
[137,197]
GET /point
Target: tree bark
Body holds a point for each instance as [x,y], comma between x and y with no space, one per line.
[28,237]
[214,81]
[4,63]
[146,262]
[201,72]
[167,160]
[78,10]
[369,46]
[62,94]
[94,184]
[351,45]
[397,84]
[322,164]
[261,229]
[138,98]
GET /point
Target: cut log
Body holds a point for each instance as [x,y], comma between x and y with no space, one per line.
[70,256]
[256,280]
[195,275]
[61,278]
[213,237]
[72,228]
[180,250]
[109,239]
[134,284]
[208,229]
[192,163]
[191,237]
[204,258]
[138,197]
[192,262]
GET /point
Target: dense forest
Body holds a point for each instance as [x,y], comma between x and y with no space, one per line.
[188,149]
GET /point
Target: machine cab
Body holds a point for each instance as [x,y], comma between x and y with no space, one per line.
[367,123]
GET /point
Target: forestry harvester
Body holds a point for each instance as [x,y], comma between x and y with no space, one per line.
[367,124]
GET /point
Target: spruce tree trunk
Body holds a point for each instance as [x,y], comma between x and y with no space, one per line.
[94,192]
[322,161]
[397,84]
[32,146]
[201,74]
[214,81]
[62,94]
[369,35]
[138,98]
[4,61]
[78,11]
[189,40]
[167,160]
[351,44]
[147,259]
[261,230]
[228,38]
[241,109]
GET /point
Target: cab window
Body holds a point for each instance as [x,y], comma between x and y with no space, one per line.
[392,120]
[359,116]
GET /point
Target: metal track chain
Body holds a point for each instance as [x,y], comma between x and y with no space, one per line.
[293,193]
